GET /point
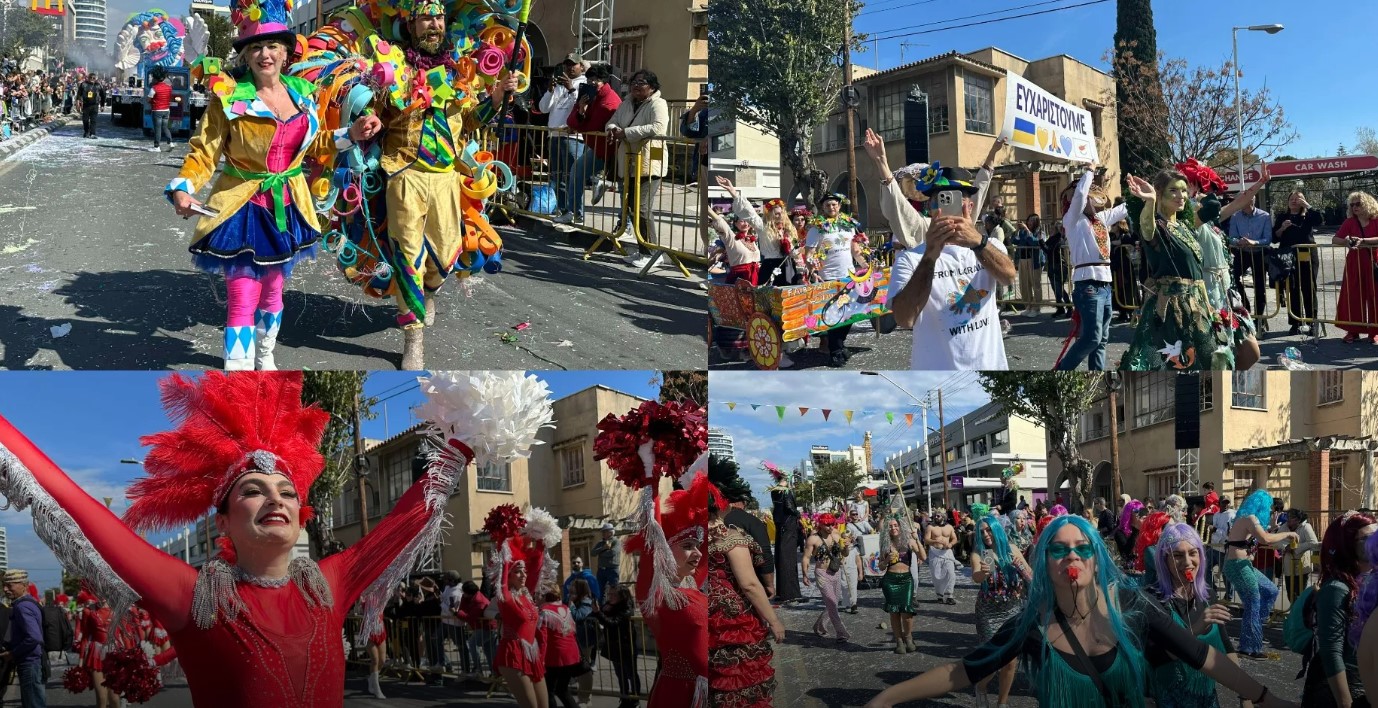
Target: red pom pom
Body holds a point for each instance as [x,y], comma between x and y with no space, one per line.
[129,673]
[77,679]
[503,522]
[678,432]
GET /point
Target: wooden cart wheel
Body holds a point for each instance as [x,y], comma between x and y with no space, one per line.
[764,342]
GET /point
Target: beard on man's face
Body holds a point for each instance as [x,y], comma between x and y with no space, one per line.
[429,41]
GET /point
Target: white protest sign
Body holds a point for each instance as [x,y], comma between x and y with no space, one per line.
[1039,121]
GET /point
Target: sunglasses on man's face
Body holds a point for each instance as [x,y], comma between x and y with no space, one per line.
[1058,551]
[639,82]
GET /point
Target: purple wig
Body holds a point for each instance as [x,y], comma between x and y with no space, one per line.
[1368,594]
[1057,510]
[1127,515]
[1174,534]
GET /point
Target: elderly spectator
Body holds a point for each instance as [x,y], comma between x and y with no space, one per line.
[1358,303]
[636,126]
[1293,228]
[609,554]
[1251,230]
[564,147]
[595,105]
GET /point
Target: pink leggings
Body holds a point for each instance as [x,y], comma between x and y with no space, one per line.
[830,586]
[247,294]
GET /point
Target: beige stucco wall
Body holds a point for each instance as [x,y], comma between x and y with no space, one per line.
[674,48]
[1061,75]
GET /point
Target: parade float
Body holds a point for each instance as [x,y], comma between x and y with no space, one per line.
[149,39]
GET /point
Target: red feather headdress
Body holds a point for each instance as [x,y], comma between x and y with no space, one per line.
[228,425]
[1202,177]
[684,516]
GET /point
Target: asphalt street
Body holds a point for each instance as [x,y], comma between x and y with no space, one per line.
[414,694]
[1034,342]
[96,275]
[817,672]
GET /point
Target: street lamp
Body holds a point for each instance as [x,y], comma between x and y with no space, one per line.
[1238,112]
[942,439]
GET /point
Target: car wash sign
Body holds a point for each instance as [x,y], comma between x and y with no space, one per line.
[1039,121]
[1301,169]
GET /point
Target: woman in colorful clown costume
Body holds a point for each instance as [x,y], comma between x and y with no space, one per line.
[1082,635]
[264,221]
[518,567]
[1178,557]
[251,627]
[1256,592]
[1179,329]
[1003,575]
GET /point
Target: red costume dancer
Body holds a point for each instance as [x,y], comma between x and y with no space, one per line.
[652,441]
[518,567]
[94,631]
[246,446]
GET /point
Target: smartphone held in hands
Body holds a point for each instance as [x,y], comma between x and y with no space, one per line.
[949,202]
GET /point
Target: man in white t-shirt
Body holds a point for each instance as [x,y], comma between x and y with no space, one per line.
[945,287]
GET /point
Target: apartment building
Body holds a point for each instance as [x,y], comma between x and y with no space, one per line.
[974,450]
[966,110]
[1306,436]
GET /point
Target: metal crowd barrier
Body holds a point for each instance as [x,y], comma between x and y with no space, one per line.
[1331,265]
[674,229]
[421,648]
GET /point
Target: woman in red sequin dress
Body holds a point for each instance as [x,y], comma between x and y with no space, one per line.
[740,621]
[249,627]
[678,618]
[95,631]
[520,661]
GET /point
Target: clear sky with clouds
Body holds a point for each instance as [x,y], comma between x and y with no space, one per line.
[1316,67]
[761,435]
[88,421]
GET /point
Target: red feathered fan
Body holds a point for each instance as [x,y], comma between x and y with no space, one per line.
[222,421]
[677,431]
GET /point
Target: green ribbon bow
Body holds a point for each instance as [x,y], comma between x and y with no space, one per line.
[274,183]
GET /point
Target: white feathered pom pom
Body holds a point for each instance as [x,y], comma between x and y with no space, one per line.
[543,527]
[496,413]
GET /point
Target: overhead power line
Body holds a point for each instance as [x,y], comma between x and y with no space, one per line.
[903,31]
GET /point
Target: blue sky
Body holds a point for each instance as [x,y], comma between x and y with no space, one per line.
[87,422]
[1311,66]
[761,434]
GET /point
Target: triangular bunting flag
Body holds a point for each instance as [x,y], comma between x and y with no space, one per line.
[780,411]
[754,406]
[803,411]
[849,416]
[826,413]
[909,419]
[890,418]
[731,406]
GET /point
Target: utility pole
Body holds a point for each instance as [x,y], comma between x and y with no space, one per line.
[850,99]
[942,443]
[927,462]
[360,462]
[1113,379]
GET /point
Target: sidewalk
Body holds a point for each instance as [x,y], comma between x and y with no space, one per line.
[32,135]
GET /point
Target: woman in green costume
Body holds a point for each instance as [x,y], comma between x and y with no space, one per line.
[1178,560]
[897,542]
[1181,327]
[1082,635]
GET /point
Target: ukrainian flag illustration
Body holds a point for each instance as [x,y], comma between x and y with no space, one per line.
[1024,132]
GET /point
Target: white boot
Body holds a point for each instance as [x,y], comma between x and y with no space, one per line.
[266,326]
[373,686]
[239,348]
[413,348]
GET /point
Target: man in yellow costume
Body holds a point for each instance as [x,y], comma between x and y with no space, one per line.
[421,147]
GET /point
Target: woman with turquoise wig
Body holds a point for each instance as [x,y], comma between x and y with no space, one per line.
[1003,574]
[1178,558]
[1082,635]
[1256,592]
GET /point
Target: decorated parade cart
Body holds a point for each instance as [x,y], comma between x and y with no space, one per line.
[771,315]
